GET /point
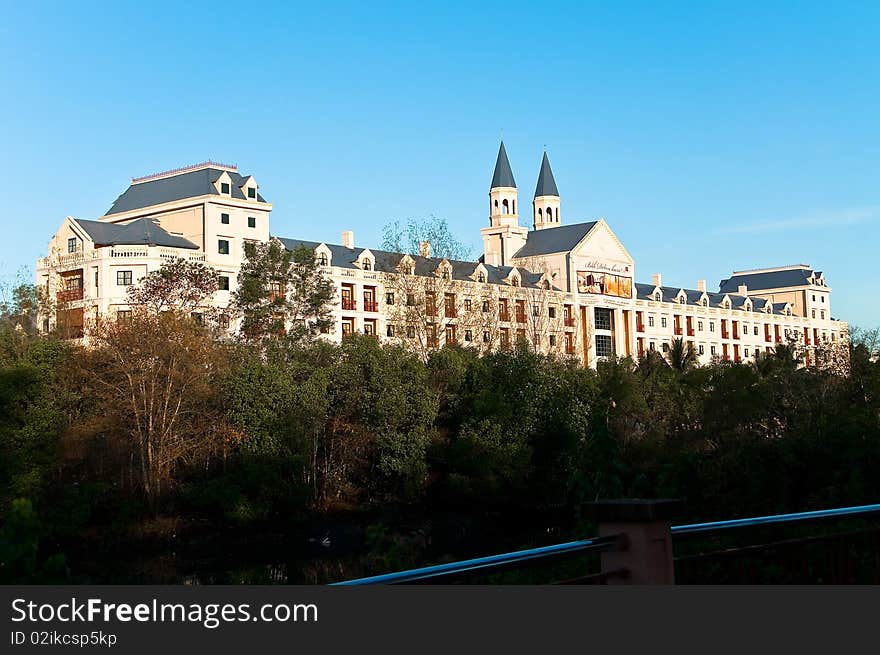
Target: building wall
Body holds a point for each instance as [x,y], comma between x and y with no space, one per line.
[570,319]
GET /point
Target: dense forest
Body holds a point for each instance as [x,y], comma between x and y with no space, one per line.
[162,453]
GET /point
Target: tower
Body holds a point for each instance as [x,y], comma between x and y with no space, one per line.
[502,194]
[545,206]
[504,236]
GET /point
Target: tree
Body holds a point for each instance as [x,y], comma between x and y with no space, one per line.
[682,355]
[282,292]
[180,285]
[22,304]
[409,237]
[154,377]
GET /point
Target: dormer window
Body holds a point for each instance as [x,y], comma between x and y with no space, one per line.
[224,188]
[368,265]
[515,281]
[658,296]
[322,259]
[446,274]
[71,244]
[251,193]
[481,277]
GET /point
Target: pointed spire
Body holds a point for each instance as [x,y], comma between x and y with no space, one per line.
[546,183]
[503,176]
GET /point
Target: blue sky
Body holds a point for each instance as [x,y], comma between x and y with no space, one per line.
[711,136]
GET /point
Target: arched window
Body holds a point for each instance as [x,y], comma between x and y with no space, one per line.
[496,203]
[505,208]
[539,214]
[549,215]
[514,206]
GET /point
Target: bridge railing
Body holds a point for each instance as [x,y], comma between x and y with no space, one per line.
[635,546]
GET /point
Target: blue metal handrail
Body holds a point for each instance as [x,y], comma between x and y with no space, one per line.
[489,562]
[775,518]
[597,543]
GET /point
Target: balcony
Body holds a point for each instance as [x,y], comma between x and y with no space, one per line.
[370,306]
[569,350]
[568,321]
[520,317]
[725,334]
[640,327]
[69,295]
[503,316]
[678,330]
[349,304]
[690,331]
[450,312]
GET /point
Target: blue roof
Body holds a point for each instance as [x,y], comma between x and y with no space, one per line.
[554,239]
[177,187]
[669,294]
[388,262]
[546,184]
[790,277]
[143,231]
[503,176]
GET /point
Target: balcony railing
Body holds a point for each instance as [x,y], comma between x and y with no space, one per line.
[371,306]
[520,317]
[69,295]
[690,331]
[349,304]
[568,321]
[678,330]
[640,327]
[78,257]
[450,312]
[503,316]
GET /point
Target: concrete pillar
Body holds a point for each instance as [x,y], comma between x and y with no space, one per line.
[646,549]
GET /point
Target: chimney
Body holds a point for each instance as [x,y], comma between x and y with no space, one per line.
[657,280]
[742,290]
[348,239]
[701,286]
[425,248]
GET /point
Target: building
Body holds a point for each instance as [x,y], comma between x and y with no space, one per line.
[562,288]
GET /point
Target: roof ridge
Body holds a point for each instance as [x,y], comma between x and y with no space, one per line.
[184,169]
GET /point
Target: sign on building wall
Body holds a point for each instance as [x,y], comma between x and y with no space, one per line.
[606,284]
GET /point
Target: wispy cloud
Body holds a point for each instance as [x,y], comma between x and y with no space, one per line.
[833,218]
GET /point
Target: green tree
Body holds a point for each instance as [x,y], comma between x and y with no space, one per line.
[682,355]
[282,292]
[179,285]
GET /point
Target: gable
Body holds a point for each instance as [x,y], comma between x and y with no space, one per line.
[602,246]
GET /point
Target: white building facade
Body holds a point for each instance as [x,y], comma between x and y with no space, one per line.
[568,289]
